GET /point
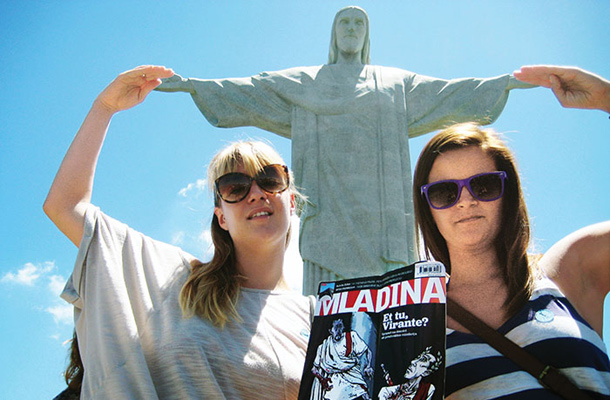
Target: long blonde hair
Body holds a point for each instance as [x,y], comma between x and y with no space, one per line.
[212,289]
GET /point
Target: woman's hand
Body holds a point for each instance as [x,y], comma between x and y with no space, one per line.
[131,87]
[573,87]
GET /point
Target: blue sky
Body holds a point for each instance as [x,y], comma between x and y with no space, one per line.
[58,55]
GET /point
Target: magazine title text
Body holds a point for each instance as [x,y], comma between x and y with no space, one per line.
[415,291]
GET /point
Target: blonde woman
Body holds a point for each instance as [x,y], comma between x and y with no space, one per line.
[154,322]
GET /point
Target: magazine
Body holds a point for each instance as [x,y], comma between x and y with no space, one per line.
[379,337]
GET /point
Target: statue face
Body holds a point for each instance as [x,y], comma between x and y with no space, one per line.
[350,31]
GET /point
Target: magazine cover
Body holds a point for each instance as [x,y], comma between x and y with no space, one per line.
[379,337]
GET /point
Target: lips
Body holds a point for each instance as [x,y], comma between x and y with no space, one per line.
[260,213]
[470,219]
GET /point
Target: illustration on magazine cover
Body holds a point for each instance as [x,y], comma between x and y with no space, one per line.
[342,365]
[413,388]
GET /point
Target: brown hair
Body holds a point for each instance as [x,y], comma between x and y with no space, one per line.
[74,372]
[511,245]
[212,289]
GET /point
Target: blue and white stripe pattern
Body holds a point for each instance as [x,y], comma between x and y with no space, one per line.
[550,329]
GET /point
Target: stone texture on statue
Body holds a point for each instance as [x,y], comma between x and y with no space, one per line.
[349,125]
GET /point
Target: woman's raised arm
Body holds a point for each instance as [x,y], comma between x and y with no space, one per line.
[73,185]
[580,265]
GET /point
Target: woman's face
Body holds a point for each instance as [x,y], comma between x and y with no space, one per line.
[470,224]
[261,217]
[350,30]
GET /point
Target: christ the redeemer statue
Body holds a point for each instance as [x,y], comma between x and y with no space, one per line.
[350,124]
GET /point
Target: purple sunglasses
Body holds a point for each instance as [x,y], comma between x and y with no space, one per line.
[488,186]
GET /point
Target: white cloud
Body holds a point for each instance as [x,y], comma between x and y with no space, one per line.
[32,275]
[62,313]
[29,274]
[199,186]
[205,237]
[56,284]
[178,238]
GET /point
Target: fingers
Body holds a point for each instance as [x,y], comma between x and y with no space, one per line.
[534,74]
[149,77]
[148,86]
[147,73]
[131,87]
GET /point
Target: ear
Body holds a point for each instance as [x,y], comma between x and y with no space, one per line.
[221,218]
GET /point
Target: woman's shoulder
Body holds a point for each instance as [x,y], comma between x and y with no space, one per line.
[543,286]
[117,234]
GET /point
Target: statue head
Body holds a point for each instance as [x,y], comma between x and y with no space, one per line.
[359,41]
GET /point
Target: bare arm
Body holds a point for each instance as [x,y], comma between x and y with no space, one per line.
[73,185]
[580,265]
[573,87]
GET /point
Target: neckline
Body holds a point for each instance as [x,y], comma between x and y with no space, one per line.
[267,291]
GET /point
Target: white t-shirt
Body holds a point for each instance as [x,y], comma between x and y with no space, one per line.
[135,344]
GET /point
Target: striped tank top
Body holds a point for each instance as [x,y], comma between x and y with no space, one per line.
[549,328]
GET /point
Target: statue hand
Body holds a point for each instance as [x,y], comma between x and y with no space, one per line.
[131,87]
[174,83]
[573,87]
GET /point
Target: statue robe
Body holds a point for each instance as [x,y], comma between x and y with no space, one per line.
[349,126]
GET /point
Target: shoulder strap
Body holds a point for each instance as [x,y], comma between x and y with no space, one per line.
[547,375]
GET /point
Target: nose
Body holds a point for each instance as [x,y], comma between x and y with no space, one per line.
[256,193]
[465,197]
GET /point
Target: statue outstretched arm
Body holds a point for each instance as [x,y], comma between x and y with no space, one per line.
[233,102]
[176,83]
[434,103]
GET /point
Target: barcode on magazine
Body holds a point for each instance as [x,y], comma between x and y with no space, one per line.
[426,269]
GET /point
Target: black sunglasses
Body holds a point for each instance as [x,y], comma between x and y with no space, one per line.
[484,187]
[235,186]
